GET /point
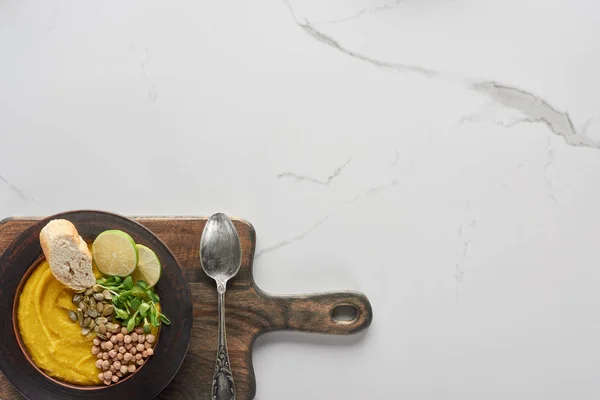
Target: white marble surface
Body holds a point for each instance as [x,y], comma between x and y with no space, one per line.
[441,156]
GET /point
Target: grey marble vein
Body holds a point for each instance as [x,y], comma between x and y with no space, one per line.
[12,187]
[330,178]
[459,270]
[291,240]
[370,192]
[550,154]
[586,125]
[366,11]
[329,41]
[16,190]
[151,84]
[396,158]
[534,107]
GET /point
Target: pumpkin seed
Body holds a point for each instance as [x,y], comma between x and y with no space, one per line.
[98,296]
[107,295]
[77,298]
[102,328]
[107,310]
[85,331]
[101,336]
[92,312]
[97,288]
[72,315]
[79,316]
[110,326]
[93,303]
[82,305]
[100,307]
[92,324]
[88,291]
[101,320]
[86,321]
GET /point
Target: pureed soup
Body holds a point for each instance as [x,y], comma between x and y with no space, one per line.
[53,341]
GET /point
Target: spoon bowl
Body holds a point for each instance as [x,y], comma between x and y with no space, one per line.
[220,249]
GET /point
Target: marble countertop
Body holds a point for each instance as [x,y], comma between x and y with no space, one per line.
[441,156]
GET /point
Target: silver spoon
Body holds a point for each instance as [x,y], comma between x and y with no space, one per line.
[221,257]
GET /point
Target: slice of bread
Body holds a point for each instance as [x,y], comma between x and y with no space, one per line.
[68,255]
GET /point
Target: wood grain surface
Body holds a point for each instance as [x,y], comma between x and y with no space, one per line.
[250,311]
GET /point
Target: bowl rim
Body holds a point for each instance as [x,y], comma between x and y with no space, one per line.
[23,242]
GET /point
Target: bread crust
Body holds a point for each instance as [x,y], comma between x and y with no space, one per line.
[67,254]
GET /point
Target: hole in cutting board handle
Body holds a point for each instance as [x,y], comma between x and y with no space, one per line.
[344,314]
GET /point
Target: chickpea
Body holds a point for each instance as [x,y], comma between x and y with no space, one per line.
[122,350]
[106,382]
[138,330]
[96,341]
[109,345]
[101,376]
[99,355]
[133,351]
[108,335]
[120,374]
[99,364]
[105,356]
[113,339]
[134,337]
[119,337]
[127,356]
[115,378]
[141,338]
[119,356]
[145,354]
[124,331]
[128,346]
[107,375]
[138,356]
[140,347]
[147,344]
[127,339]
[113,353]
[124,369]
[139,362]
[117,365]
[150,338]
[150,351]
[131,368]
[112,369]
[105,364]
[95,350]
[103,345]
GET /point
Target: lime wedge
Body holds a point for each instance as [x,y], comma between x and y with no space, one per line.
[148,267]
[114,253]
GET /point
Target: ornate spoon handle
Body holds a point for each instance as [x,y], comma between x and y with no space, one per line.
[223,387]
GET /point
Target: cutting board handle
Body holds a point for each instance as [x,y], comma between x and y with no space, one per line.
[320,312]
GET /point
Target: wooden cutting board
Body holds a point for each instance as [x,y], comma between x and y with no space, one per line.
[250,312]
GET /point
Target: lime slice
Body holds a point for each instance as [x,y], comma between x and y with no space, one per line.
[114,253]
[148,267]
